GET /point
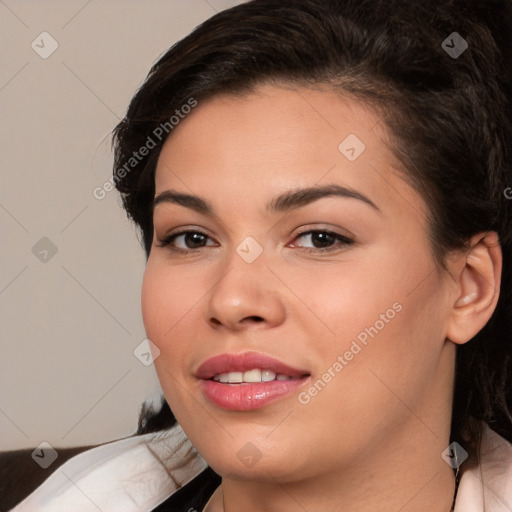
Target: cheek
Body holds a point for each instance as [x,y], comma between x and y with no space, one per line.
[342,301]
[168,302]
[389,341]
[155,303]
[167,308]
[399,325]
[387,308]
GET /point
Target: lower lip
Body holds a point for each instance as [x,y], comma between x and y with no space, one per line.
[249,396]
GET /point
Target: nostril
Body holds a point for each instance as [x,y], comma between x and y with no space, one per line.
[254,318]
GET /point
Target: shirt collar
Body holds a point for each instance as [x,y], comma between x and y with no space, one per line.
[138,473]
[135,474]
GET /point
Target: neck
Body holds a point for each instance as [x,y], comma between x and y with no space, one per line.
[407,474]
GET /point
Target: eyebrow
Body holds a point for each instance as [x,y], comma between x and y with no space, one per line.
[283,203]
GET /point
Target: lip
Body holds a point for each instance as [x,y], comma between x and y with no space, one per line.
[247,396]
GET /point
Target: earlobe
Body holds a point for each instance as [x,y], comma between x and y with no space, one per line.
[478,286]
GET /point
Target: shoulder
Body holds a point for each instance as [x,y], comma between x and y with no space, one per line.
[20,474]
[136,474]
[486,484]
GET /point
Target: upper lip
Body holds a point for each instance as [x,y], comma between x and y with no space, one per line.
[226,363]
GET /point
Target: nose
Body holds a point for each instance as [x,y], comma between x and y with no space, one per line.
[247,296]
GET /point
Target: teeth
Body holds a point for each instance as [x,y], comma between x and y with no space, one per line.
[252,376]
[267,375]
[235,377]
[255,375]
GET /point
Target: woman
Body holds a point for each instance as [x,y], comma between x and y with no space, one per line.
[323,192]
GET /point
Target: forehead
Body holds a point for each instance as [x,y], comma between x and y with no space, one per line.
[237,148]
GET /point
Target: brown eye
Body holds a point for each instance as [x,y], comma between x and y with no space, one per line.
[186,240]
[193,240]
[321,240]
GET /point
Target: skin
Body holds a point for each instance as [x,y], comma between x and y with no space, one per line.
[372,438]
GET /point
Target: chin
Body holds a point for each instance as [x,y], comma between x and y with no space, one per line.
[247,456]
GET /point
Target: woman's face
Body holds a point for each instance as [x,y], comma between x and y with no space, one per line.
[306,246]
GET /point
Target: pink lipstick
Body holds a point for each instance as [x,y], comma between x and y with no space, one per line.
[242,382]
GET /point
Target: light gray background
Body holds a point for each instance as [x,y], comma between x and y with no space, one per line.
[69,325]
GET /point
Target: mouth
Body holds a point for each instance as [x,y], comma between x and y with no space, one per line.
[250,376]
[248,381]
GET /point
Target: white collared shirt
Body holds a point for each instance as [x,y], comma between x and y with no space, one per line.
[138,473]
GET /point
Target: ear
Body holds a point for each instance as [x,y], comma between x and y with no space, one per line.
[477,276]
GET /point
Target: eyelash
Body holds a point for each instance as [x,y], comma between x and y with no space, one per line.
[343,240]
[167,241]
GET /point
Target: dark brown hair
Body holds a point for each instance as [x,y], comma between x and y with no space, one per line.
[449,117]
